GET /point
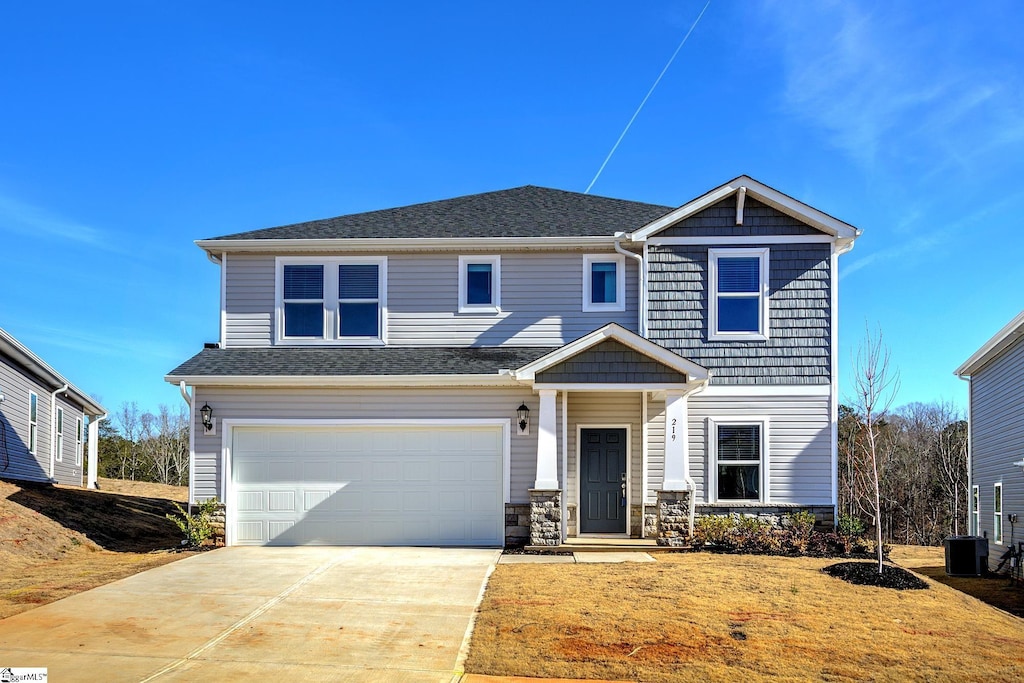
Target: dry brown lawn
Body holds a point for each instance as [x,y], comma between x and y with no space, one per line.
[700,616]
[56,541]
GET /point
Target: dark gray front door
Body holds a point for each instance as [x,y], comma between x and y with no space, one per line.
[602,475]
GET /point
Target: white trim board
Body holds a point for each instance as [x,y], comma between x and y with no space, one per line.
[732,240]
[759,390]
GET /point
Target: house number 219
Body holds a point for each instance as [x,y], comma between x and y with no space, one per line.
[674,420]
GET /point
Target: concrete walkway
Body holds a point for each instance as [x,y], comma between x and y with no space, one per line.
[297,614]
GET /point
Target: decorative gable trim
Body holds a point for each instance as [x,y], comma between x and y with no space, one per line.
[693,372]
[843,233]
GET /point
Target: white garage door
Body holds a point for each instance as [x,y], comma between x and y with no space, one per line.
[367,485]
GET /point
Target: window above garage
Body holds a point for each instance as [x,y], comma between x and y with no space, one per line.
[337,301]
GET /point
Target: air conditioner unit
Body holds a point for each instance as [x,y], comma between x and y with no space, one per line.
[966,555]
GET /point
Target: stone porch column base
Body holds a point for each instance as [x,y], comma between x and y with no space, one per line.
[545,517]
[673,517]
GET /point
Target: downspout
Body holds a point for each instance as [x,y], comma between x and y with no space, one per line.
[970,457]
[191,442]
[687,478]
[641,282]
[53,428]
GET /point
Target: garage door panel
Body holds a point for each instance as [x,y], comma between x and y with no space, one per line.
[368,485]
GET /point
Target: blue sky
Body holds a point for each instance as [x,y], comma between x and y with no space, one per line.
[132,129]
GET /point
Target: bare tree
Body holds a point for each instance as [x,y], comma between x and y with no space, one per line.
[128,420]
[876,386]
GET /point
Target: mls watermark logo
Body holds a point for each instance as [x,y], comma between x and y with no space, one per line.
[18,674]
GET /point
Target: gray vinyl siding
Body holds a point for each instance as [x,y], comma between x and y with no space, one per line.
[16,462]
[719,220]
[541,301]
[393,404]
[799,345]
[249,300]
[799,437]
[14,414]
[605,409]
[610,362]
[997,441]
[65,471]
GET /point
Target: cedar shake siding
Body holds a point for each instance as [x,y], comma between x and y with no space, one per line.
[719,220]
[610,362]
[799,345]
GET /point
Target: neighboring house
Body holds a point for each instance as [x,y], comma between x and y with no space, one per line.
[522,365]
[996,437]
[48,426]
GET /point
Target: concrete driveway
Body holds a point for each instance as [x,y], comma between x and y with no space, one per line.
[296,614]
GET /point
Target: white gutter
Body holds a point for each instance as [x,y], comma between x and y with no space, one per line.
[184,392]
[347,381]
[53,428]
[641,282]
[215,247]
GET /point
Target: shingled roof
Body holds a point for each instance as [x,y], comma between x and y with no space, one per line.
[341,362]
[527,211]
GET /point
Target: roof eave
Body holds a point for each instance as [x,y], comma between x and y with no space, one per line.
[999,342]
[497,379]
[217,246]
[44,372]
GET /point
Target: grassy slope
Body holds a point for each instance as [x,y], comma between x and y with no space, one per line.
[733,617]
[56,541]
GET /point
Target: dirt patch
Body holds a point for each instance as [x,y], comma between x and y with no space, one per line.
[56,541]
[698,616]
[867,574]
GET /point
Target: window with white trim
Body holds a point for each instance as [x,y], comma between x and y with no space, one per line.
[975,512]
[59,433]
[479,284]
[739,460]
[78,441]
[331,301]
[997,513]
[604,282]
[738,294]
[33,422]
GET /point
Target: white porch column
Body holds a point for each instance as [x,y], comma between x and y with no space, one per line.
[677,451]
[94,459]
[547,444]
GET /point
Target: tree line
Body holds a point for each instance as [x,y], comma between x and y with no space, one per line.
[145,446]
[921,452]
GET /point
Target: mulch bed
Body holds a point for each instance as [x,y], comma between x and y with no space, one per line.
[866,574]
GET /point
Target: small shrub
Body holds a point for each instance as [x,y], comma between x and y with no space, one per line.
[198,527]
[715,531]
[798,530]
[850,526]
[756,536]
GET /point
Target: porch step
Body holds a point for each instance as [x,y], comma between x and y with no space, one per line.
[620,547]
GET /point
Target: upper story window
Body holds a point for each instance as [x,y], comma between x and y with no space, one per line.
[738,294]
[604,283]
[33,422]
[479,284]
[331,300]
[740,459]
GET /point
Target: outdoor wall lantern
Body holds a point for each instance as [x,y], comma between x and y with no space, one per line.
[207,413]
[523,414]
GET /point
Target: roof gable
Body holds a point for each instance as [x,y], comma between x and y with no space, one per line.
[746,186]
[668,361]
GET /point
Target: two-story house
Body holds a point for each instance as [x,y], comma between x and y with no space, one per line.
[518,366]
[49,428]
[995,410]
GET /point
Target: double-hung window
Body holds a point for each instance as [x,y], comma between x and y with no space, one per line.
[33,422]
[975,512]
[604,283]
[332,300]
[479,284]
[997,513]
[59,434]
[740,465]
[78,442]
[738,294]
